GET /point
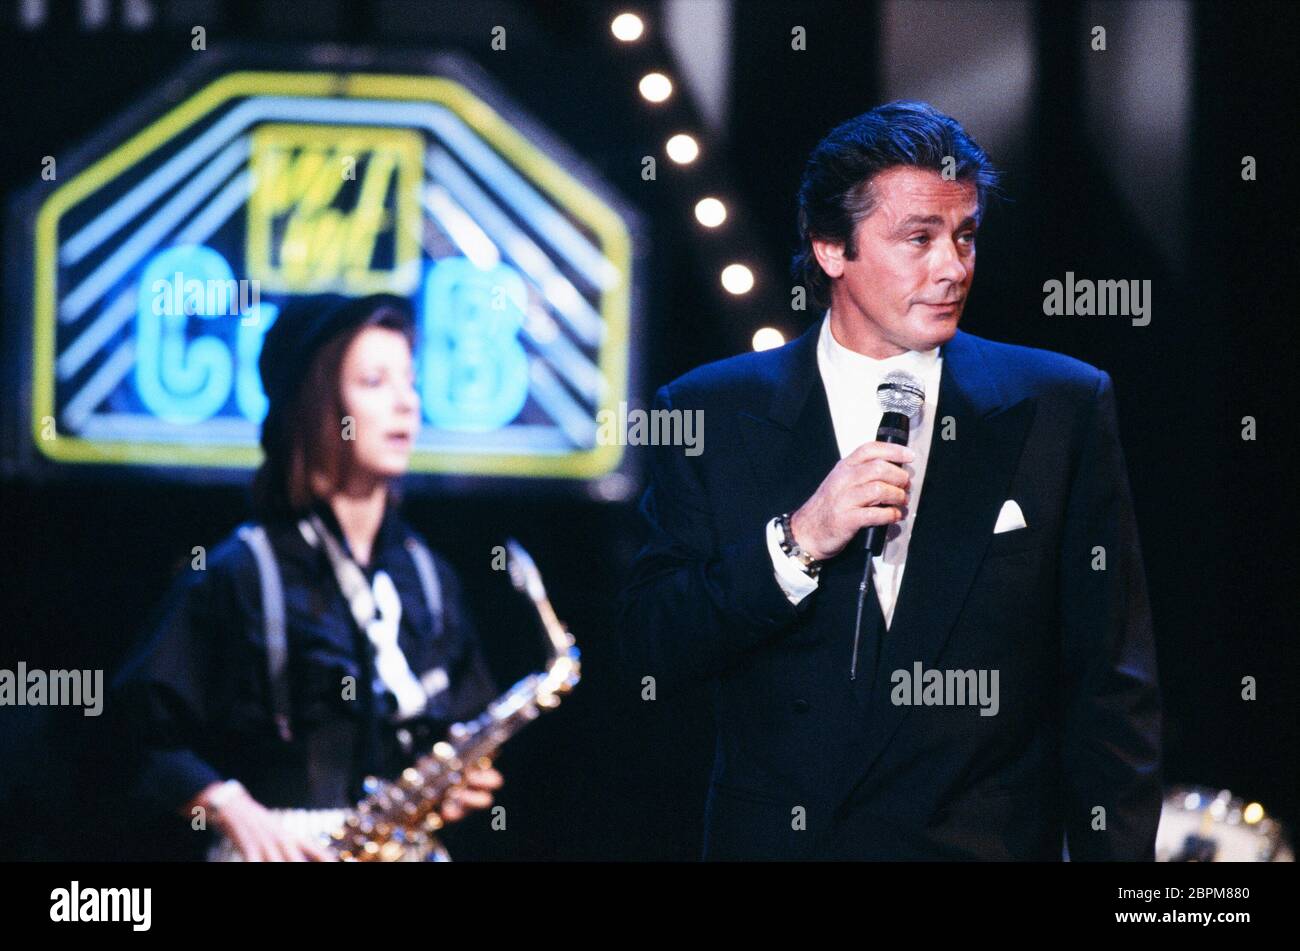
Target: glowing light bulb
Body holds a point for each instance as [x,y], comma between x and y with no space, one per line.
[655,87]
[710,212]
[682,149]
[627,27]
[737,279]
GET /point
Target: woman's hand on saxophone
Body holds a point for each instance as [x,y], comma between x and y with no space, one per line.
[252,829]
[475,792]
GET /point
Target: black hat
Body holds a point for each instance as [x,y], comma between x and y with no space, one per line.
[304,325]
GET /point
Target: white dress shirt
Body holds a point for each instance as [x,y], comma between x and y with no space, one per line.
[850,379]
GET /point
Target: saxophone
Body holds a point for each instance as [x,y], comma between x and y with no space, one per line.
[397,820]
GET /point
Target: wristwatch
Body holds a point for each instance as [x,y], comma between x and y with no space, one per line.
[810,565]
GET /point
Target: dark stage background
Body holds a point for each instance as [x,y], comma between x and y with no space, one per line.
[1119,165]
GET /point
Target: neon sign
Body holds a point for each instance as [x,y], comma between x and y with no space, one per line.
[158,267]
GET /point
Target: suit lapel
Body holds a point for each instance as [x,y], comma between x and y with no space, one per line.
[966,481]
[791,447]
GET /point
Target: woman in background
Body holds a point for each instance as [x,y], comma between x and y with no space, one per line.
[235,705]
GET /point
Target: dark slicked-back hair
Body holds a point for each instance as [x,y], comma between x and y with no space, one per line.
[835,192]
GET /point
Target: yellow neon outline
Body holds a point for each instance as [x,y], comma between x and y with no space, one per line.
[567,191]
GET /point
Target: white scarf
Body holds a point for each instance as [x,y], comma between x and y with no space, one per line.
[377,610]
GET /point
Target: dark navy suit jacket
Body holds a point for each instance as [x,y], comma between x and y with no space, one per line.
[812,765]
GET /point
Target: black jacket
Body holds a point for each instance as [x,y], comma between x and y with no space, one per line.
[193,701]
[797,744]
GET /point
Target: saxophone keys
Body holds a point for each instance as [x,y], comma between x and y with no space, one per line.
[444,750]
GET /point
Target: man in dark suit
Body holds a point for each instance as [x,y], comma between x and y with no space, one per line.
[1004,697]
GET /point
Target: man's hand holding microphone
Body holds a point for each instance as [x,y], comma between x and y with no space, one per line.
[867,487]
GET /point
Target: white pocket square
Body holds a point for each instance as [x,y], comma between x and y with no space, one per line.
[1010,518]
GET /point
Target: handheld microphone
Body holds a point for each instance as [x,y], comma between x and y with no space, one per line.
[901,396]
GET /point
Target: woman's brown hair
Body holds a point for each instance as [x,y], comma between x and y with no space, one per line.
[306,437]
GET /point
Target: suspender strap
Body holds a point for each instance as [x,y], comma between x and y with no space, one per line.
[277,649]
[428,581]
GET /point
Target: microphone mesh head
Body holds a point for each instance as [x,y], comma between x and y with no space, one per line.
[900,392]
